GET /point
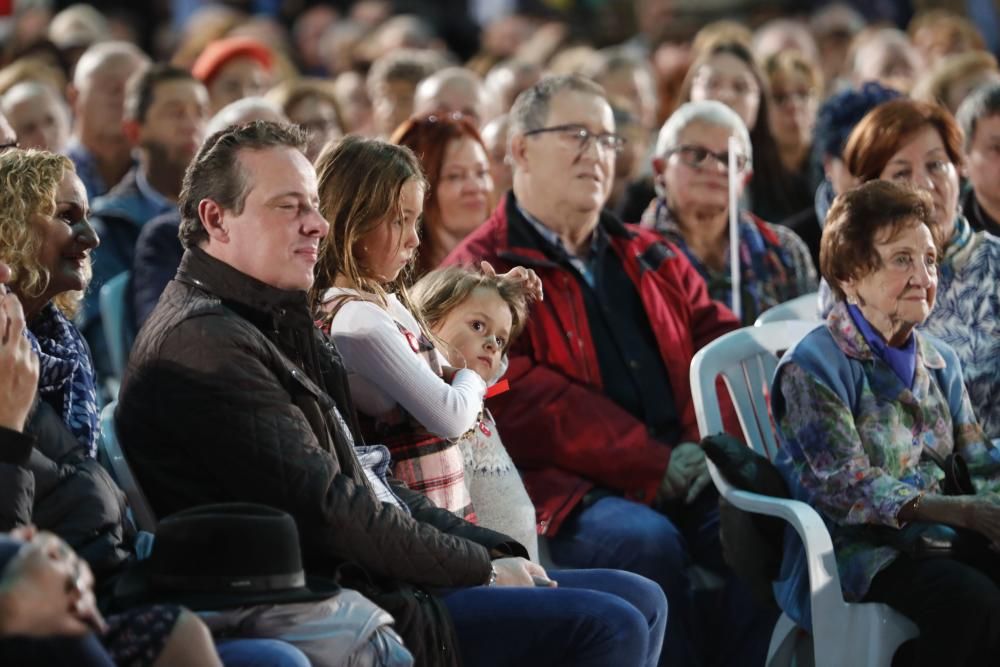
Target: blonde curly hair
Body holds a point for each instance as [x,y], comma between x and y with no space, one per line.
[29,180]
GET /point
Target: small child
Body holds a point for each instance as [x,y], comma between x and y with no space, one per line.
[475,317]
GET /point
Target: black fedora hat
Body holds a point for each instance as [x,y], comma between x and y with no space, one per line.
[223,556]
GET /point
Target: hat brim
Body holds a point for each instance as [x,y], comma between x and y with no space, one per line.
[133,588]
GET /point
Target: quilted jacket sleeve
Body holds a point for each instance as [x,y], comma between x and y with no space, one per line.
[219,399]
[17,484]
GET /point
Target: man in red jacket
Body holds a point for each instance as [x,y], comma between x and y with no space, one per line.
[600,419]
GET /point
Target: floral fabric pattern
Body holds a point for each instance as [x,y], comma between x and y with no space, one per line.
[852,434]
[775,263]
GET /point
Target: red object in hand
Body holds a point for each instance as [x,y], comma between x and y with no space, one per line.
[497,389]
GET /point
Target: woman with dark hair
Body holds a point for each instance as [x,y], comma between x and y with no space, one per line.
[866,406]
[459,185]
[727,71]
[919,143]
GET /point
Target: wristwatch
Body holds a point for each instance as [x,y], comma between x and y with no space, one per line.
[493,576]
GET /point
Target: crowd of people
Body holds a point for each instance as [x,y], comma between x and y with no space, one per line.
[407,332]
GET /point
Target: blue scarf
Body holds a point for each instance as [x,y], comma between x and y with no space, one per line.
[902,360]
[66,376]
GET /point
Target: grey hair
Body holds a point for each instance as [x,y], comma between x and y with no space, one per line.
[531,107]
[96,57]
[980,103]
[245,110]
[710,112]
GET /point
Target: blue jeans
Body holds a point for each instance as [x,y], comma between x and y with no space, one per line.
[260,653]
[595,618]
[619,533]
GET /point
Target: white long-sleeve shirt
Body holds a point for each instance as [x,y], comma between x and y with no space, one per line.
[384,370]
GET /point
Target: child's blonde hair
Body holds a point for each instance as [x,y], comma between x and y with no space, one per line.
[442,290]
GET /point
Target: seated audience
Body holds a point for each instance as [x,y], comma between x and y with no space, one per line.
[454,90]
[863,405]
[459,186]
[48,474]
[476,316]
[939,33]
[38,114]
[692,212]
[165,114]
[979,118]
[602,424]
[494,137]
[919,143]
[233,68]
[392,82]
[98,145]
[312,105]
[886,56]
[952,79]
[796,85]
[259,410]
[508,79]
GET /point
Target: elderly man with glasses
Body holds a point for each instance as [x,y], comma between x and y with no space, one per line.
[600,418]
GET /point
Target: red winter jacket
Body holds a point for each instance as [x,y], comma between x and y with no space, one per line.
[563,433]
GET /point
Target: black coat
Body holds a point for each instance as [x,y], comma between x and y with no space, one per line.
[228,396]
[46,478]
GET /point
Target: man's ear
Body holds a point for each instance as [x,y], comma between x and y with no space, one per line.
[518,148]
[213,219]
[132,130]
[659,164]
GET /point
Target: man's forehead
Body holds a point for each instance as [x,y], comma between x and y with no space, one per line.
[183,90]
[571,107]
[279,170]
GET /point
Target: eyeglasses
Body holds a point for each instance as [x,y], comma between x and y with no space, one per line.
[579,137]
[695,156]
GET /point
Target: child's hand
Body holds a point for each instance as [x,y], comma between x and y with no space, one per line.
[525,279]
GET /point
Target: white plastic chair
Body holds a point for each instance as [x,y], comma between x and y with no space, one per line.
[804,308]
[120,470]
[843,633]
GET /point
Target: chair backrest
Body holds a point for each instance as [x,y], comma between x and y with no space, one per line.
[120,470]
[115,320]
[746,359]
[805,308]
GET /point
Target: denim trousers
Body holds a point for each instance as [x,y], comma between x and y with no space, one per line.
[662,545]
[595,618]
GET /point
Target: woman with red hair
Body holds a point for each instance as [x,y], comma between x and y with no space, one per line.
[460,189]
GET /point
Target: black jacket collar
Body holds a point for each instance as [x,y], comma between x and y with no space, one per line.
[201,270]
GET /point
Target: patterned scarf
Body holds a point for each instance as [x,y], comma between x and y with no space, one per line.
[959,240]
[66,375]
[766,277]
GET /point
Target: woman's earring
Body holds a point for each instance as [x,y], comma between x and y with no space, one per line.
[852,300]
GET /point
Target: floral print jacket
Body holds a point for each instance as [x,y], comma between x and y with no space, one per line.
[851,438]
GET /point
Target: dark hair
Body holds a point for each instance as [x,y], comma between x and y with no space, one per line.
[428,137]
[884,130]
[981,103]
[217,174]
[141,87]
[874,212]
[839,114]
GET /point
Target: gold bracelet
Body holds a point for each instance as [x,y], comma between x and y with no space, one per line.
[915,507]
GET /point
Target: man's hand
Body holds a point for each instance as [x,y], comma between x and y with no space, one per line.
[520,572]
[47,590]
[519,277]
[687,475]
[18,363]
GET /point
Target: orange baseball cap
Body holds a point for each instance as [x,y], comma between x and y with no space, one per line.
[221,51]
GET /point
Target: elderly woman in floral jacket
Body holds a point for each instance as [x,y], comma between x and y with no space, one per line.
[919,143]
[861,404]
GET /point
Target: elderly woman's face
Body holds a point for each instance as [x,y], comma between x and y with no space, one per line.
[729,80]
[902,290]
[67,239]
[923,161]
[694,174]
